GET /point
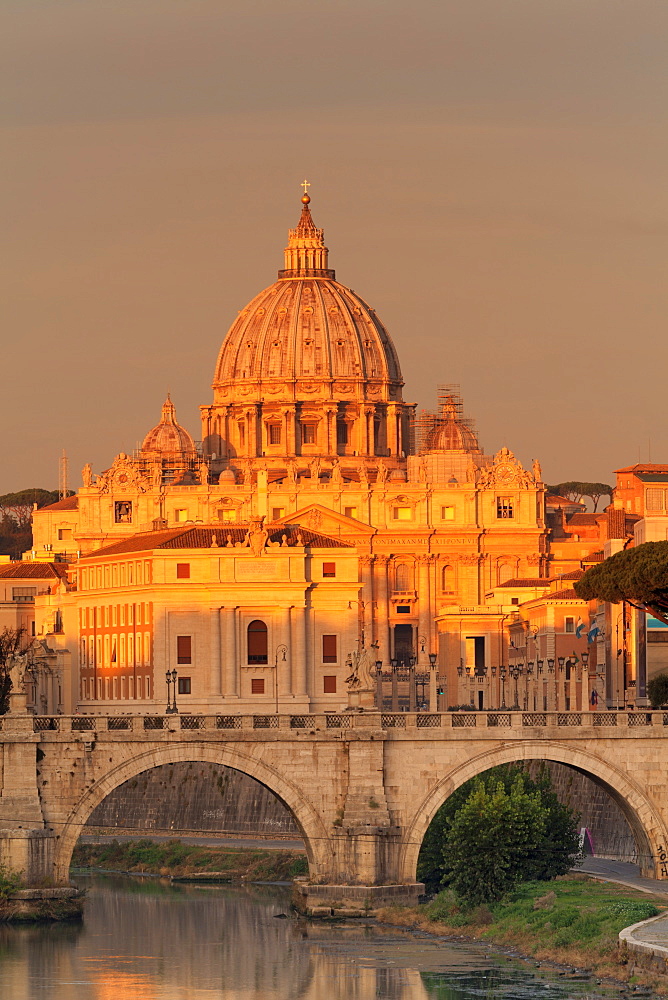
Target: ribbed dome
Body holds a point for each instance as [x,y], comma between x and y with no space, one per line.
[450,431]
[168,437]
[307,328]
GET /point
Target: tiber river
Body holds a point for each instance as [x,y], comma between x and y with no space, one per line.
[144,939]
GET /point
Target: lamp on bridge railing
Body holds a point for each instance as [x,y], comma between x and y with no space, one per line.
[550,664]
[432,660]
[493,671]
[460,669]
[585,660]
[170,677]
[412,660]
[502,675]
[539,666]
[394,663]
[561,660]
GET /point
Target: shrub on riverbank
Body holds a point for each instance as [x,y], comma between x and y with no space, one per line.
[176,858]
[495,831]
[575,921]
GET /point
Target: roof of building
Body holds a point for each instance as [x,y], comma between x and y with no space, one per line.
[33,571]
[583,519]
[643,467]
[216,536]
[69,503]
[653,477]
[575,574]
[555,500]
[563,595]
[594,557]
[526,582]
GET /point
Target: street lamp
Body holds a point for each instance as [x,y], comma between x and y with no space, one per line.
[283,649]
[361,605]
[170,677]
[502,675]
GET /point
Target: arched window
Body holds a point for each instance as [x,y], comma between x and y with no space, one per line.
[257,642]
[506,572]
[402,577]
[447,580]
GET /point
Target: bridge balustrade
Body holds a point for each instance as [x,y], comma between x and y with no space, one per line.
[596,721]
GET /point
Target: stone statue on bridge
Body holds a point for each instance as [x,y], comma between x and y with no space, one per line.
[361,685]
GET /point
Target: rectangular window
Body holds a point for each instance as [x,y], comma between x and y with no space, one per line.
[403,609]
[227,516]
[23,595]
[341,432]
[350,511]
[184,649]
[447,513]
[123,512]
[504,507]
[181,514]
[64,533]
[654,500]
[329,684]
[329,569]
[184,685]
[257,685]
[183,571]
[277,513]
[569,625]
[329,649]
[274,433]
[308,433]
[402,513]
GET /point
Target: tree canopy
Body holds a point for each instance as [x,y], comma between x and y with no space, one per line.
[15,513]
[638,575]
[498,829]
[575,490]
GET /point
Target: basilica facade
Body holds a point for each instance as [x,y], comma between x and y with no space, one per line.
[319,516]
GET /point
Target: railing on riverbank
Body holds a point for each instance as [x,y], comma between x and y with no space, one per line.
[601,723]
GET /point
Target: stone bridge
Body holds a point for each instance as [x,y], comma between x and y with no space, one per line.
[363,787]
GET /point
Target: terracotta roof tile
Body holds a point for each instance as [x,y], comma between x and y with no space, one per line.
[69,503]
[203,537]
[563,595]
[525,582]
[643,467]
[582,519]
[594,557]
[33,571]
[575,574]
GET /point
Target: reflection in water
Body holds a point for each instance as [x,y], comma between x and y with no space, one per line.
[148,940]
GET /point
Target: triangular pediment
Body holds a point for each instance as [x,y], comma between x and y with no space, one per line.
[328,522]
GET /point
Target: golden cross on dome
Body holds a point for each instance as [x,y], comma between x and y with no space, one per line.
[306,185]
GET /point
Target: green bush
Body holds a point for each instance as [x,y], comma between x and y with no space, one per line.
[657,690]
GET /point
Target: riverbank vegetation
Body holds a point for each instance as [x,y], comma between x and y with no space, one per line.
[574,921]
[496,831]
[176,859]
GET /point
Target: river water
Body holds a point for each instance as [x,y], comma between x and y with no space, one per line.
[145,939]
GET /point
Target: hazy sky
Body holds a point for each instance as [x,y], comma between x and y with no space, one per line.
[490,175]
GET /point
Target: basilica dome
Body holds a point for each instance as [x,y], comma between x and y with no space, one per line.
[168,437]
[307,333]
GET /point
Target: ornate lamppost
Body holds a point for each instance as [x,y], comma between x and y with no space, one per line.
[283,649]
[502,675]
[170,677]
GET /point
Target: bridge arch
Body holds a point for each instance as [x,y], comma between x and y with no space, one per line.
[648,828]
[311,826]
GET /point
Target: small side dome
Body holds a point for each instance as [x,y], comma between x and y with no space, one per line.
[227,476]
[397,476]
[168,437]
[450,430]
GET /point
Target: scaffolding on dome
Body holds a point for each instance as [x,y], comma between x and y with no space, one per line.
[426,424]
